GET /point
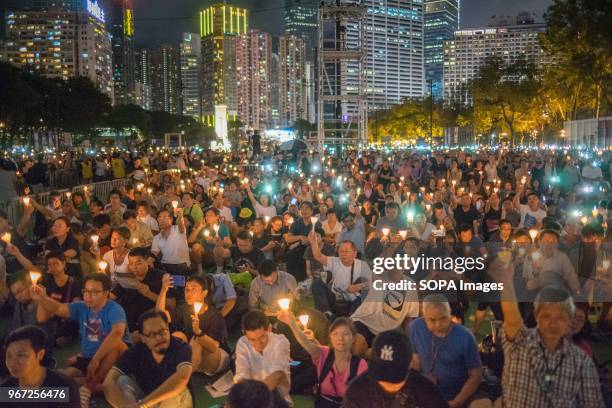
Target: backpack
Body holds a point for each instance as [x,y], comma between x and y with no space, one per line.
[328,401]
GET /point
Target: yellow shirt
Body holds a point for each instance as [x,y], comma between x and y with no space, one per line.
[86,170]
[118,168]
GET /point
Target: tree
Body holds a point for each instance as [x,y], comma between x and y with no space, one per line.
[301,127]
[578,40]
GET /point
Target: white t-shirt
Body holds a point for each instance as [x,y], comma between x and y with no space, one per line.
[384,310]
[252,365]
[262,211]
[341,273]
[332,231]
[530,218]
[491,171]
[226,213]
[174,249]
[119,272]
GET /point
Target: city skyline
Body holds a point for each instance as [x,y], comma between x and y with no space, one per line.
[268,15]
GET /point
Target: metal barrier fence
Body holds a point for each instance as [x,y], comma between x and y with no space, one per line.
[100,190]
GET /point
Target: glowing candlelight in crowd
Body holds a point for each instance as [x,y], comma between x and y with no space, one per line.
[68,194]
[197,306]
[94,239]
[35,276]
[206,233]
[267,219]
[290,221]
[594,212]
[403,234]
[216,228]
[102,265]
[454,182]
[134,241]
[6,237]
[284,303]
[386,231]
[175,204]
[304,320]
[313,220]
[584,220]
[290,185]
[533,233]
[536,256]
[26,201]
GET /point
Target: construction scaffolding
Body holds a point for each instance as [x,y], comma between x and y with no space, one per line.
[341,105]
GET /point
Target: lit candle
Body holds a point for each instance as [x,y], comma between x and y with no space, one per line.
[304,320]
[102,265]
[197,306]
[6,237]
[533,233]
[68,194]
[175,204]
[313,220]
[605,264]
[35,276]
[149,190]
[428,207]
[26,201]
[290,221]
[290,185]
[206,233]
[134,241]
[454,182]
[386,231]
[216,228]
[403,234]
[584,220]
[536,256]
[284,303]
[94,239]
[267,219]
[594,212]
[85,188]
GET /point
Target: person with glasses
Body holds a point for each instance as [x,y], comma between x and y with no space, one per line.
[155,372]
[102,325]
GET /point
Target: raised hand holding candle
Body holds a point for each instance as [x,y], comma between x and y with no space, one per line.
[175,204]
[102,265]
[533,233]
[197,306]
[6,237]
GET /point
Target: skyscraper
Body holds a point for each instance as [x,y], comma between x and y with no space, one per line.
[441,22]
[75,43]
[301,21]
[191,61]
[220,25]
[122,31]
[465,53]
[292,80]
[394,60]
[165,79]
[143,73]
[260,66]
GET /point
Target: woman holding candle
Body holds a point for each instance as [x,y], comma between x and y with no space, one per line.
[198,323]
[116,259]
[336,366]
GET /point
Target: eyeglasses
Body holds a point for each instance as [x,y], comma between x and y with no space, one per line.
[92,292]
[161,333]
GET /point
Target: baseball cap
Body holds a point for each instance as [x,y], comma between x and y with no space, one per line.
[391,356]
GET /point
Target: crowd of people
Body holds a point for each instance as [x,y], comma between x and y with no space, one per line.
[262,266]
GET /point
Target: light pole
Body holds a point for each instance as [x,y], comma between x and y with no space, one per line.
[430,81]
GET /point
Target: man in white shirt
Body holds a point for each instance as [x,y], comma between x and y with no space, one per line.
[171,243]
[531,213]
[262,355]
[349,277]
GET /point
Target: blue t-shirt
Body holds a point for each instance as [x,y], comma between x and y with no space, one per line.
[94,327]
[451,358]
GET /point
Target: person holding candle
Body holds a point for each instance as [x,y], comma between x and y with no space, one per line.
[103,328]
[349,277]
[191,207]
[297,239]
[335,364]
[263,206]
[171,243]
[116,259]
[245,257]
[269,286]
[205,330]
[205,235]
[63,240]
[59,285]
[140,233]
[142,210]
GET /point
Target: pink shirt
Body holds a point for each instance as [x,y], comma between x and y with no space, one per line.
[335,384]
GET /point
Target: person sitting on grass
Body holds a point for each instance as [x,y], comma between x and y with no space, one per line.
[155,372]
[262,355]
[205,329]
[335,364]
[25,351]
[102,326]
